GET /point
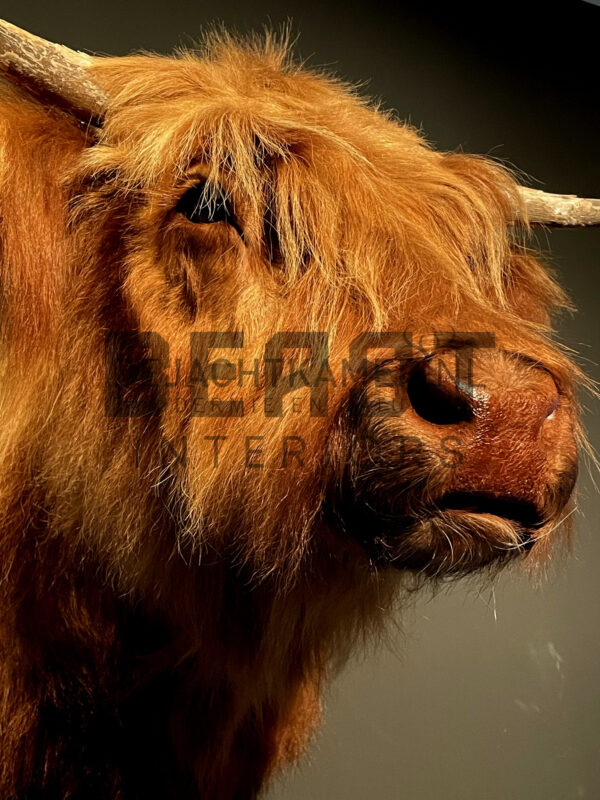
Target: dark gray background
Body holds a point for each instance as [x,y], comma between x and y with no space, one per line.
[487,695]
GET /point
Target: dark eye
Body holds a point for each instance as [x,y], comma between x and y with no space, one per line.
[202,204]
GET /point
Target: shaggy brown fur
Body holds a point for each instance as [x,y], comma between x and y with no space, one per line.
[165,629]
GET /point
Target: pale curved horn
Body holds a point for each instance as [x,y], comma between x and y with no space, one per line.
[51,69]
[566,210]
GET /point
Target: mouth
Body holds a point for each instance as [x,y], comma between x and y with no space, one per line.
[462,532]
[522,513]
[409,516]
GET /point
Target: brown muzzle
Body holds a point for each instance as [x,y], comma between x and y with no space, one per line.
[478,464]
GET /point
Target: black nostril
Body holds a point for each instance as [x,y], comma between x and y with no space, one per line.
[438,398]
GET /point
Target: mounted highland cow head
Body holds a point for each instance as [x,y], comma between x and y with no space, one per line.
[267,358]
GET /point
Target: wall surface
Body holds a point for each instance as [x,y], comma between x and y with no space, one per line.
[489,693]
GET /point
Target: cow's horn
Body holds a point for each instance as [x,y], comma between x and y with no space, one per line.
[566,210]
[50,70]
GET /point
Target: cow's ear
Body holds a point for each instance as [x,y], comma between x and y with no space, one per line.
[53,73]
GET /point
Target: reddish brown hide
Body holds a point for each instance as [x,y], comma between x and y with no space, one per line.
[179,578]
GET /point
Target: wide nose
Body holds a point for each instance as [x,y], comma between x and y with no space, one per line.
[456,387]
[511,428]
